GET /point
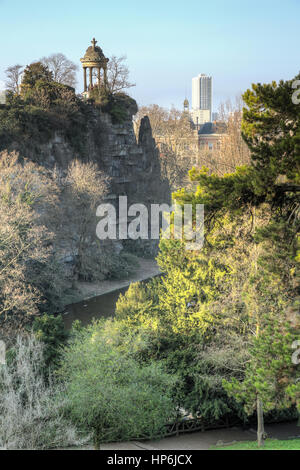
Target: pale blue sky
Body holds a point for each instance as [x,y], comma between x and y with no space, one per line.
[166,42]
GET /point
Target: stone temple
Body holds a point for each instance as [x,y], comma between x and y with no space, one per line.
[94,60]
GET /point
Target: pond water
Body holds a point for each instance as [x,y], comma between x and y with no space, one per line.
[102,306]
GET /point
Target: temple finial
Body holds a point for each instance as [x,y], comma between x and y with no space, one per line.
[94,42]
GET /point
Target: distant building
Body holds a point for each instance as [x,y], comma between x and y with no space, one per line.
[215,116]
[201,99]
[200,117]
[2,97]
[186,105]
[210,136]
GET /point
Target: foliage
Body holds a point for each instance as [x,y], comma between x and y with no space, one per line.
[134,304]
[119,106]
[270,369]
[271,130]
[42,256]
[34,73]
[120,266]
[31,407]
[220,315]
[44,107]
[47,104]
[271,444]
[270,127]
[49,330]
[110,393]
[180,337]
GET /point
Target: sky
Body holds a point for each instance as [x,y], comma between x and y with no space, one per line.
[167,43]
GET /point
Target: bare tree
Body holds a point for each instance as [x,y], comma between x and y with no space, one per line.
[158,118]
[173,169]
[232,151]
[118,75]
[175,139]
[83,189]
[13,78]
[32,406]
[179,146]
[63,69]
[26,193]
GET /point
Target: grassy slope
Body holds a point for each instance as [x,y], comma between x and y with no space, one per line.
[270,444]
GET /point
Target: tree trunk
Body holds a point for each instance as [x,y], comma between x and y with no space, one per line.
[96,443]
[260,423]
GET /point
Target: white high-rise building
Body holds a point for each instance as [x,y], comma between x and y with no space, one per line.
[2,92]
[2,97]
[202,99]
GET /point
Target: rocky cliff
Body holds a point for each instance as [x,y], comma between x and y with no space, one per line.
[133,165]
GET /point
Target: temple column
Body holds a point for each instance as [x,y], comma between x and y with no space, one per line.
[105,77]
[99,77]
[84,78]
[91,78]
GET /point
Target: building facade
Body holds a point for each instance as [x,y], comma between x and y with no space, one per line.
[202,88]
[2,97]
[200,117]
[210,136]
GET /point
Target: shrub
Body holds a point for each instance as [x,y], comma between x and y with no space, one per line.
[50,330]
[120,106]
[111,394]
[31,408]
[199,363]
[44,108]
[121,266]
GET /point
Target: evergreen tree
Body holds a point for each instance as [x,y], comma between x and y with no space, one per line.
[35,72]
[271,129]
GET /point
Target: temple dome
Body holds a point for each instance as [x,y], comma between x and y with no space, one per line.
[94,56]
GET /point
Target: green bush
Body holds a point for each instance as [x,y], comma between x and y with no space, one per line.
[119,106]
[187,354]
[50,331]
[110,393]
[44,108]
[120,266]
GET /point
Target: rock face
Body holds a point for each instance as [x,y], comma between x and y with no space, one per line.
[132,166]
